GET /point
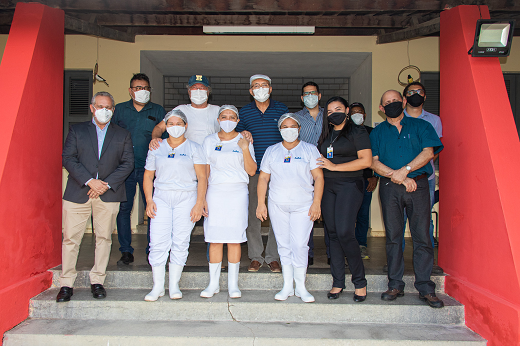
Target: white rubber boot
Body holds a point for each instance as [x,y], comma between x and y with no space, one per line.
[158,284]
[214,284]
[175,276]
[288,286]
[232,280]
[301,291]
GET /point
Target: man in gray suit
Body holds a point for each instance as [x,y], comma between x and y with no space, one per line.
[99,157]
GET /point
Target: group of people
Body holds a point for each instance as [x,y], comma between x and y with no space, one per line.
[237,167]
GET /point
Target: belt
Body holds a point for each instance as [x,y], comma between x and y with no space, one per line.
[419,177]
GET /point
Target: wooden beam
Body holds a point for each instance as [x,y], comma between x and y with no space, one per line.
[84,27]
[423,29]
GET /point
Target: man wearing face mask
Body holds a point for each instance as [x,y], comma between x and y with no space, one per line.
[139,116]
[415,94]
[402,148]
[358,116]
[311,117]
[260,118]
[98,156]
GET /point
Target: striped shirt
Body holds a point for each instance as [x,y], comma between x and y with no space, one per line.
[263,126]
[311,129]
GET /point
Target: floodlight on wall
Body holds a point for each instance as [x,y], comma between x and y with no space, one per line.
[258,30]
[493,38]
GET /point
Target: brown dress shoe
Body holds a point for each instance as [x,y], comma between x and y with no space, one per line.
[254,266]
[432,300]
[275,267]
[392,294]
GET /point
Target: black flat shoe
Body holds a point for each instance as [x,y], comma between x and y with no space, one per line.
[98,291]
[64,294]
[126,258]
[334,295]
[311,261]
[359,299]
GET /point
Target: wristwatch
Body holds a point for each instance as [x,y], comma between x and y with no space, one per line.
[408,168]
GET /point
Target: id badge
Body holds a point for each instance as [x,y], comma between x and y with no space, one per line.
[171,155]
[218,147]
[330,152]
[287,159]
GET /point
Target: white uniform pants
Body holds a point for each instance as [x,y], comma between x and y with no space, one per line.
[292,227]
[171,228]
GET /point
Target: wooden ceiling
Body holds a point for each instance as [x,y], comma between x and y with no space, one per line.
[390,20]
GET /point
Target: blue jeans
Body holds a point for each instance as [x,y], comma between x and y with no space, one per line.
[431,185]
[124,229]
[363,217]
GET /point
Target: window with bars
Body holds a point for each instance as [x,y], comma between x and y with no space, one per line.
[77,95]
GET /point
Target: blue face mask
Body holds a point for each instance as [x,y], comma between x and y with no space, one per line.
[310,101]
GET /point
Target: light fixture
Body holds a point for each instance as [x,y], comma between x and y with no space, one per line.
[493,38]
[258,30]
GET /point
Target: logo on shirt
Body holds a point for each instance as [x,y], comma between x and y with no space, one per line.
[297,158]
[182,154]
[236,151]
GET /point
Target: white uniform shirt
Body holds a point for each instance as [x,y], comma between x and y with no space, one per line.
[177,171]
[291,182]
[201,122]
[226,163]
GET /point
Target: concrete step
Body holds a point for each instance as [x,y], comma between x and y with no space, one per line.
[198,278]
[254,306]
[37,332]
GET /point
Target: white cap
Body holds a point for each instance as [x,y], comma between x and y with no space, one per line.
[289,115]
[176,113]
[230,107]
[259,76]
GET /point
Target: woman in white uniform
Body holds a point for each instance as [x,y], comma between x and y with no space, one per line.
[230,161]
[178,202]
[295,193]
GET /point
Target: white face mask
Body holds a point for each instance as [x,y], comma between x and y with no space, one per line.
[228,125]
[176,131]
[357,118]
[198,96]
[142,96]
[310,101]
[261,94]
[289,134]
[103,115]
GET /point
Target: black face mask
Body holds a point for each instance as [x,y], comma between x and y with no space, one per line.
[394,109]
[415,100]
[337,118]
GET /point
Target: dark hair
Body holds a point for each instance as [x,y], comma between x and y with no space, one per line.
[311,84]
[327,127]
[412,84]
[140,76]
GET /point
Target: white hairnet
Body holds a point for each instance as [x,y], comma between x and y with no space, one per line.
[259,76]
[289,115]
[176,113]
[230,107]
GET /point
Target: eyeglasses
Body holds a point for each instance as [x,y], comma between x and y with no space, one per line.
[418,91]
[258,86]
[138,88]
[306,93]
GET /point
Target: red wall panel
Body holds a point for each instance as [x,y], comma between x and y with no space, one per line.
[479,190]
[31,89]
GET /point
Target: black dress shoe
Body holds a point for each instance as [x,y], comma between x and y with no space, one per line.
[126,258]
[311,261]
[432,300]
[334,295]
[98,291]
[64,294]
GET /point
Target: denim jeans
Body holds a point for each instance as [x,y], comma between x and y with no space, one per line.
[363,217]
[431,185]
[124,229]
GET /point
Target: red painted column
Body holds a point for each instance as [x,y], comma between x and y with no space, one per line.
[31,90]
[479,185]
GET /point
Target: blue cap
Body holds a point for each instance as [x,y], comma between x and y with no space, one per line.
[198,78]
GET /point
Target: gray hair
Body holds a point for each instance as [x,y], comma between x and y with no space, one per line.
[209,88]
[102,93]
[176,113]
[289,115]
[230,107]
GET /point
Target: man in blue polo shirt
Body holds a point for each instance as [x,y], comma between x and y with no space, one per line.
[139,116]
[402,148]
[260,118]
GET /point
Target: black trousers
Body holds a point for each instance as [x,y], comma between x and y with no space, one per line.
[342,198]
[394,199]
